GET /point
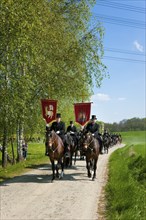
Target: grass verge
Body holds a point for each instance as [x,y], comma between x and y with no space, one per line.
[35,157]
[126,187]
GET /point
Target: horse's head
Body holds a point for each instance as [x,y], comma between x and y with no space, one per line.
[51,137]
[87,140]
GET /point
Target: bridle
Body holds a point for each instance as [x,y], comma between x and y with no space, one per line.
[52,142]
[88,144]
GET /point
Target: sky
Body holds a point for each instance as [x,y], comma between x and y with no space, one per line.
[122,95]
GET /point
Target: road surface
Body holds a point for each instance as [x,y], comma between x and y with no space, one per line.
[32,196]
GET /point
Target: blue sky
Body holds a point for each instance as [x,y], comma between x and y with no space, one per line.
[122,96]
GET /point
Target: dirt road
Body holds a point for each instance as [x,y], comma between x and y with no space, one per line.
[32,196]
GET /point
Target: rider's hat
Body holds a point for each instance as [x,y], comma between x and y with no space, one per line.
[93,117]
[58,115]
[71,122]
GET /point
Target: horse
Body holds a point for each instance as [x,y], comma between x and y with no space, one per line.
[71,149]
[56,153]
[106,143]
[91,148]
[80,135]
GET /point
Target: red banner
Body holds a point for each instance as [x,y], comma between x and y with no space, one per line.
[82,112]
[49,108]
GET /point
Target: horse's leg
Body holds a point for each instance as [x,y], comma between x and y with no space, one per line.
[57,170]
[71,155]
[88,167]
[94,168]
[75,157]
[53,170]
[62,168]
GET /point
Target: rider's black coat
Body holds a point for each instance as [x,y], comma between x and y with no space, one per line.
[71,128]
[92,127]
[58,126]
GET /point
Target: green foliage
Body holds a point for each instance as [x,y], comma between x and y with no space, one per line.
[47,51]
[126,185]
[133,124]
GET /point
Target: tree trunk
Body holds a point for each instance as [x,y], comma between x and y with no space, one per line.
[13,155]
[4,149]
[19,143]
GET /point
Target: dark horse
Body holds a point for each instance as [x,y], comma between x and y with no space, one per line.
[91,148]
[71,149]
[106,143]
[56,153]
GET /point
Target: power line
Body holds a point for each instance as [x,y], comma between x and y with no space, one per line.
[123,51]
[121,21]
[121,6]
[124,59]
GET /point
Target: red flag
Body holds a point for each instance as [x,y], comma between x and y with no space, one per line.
[49,108]
[82,112]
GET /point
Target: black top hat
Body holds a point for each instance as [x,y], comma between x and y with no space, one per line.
[71,122]
[93,117]
[58,115]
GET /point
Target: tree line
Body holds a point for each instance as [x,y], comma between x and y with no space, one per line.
[133,124]
[49,49]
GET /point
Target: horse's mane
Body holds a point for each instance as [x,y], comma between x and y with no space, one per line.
[56,136]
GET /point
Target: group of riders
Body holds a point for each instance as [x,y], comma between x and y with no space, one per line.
[59,127]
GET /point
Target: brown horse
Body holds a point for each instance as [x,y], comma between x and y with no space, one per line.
[56,153]
[91,148]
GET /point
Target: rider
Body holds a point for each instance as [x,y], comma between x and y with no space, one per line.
[106,134]
[71,128]
[73,131]
[93,127]
[59,127]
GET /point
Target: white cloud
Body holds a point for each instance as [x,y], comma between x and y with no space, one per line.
[138,46]
[100,97]
[121,98]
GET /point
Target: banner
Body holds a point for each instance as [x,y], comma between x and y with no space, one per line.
[82,112]
[49,108]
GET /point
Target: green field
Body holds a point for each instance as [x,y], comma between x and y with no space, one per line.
[36,156]
[126,187]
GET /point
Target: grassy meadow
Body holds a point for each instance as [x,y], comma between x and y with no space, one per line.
[126,187]
[35,157]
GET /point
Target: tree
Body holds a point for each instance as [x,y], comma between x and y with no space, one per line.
[48,50]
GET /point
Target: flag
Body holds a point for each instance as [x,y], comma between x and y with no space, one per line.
[82,112]
[49,108]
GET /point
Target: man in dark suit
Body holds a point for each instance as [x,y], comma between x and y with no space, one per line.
[59,127]
[93,127]
[73,132]
[71,128]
